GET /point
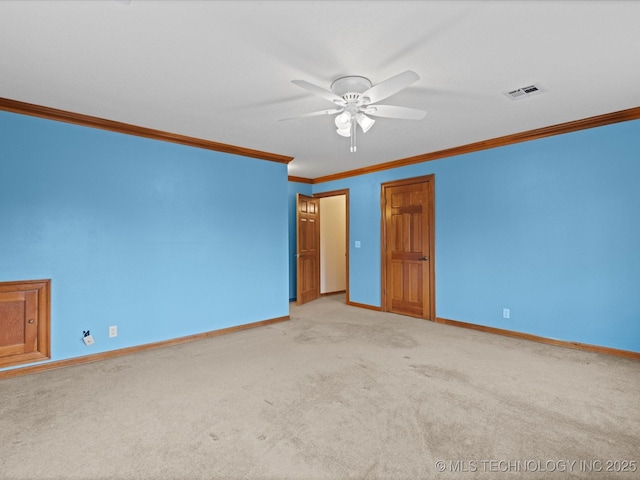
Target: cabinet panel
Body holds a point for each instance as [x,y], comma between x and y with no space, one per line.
[24,321]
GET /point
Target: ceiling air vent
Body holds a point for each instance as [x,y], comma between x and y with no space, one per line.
[523,92]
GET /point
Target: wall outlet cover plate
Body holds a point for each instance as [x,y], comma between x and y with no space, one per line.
[88,340]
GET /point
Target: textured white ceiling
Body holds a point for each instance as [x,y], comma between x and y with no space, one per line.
[222,70]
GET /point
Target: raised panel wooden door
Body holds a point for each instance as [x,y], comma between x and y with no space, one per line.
[24,322]
[407,247]
[308,249]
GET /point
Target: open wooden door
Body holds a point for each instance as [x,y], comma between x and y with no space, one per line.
[408,275]
[308,248]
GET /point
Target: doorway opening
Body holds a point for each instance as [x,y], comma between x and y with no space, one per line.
[322,257]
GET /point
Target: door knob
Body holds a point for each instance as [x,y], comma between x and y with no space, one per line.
[424,259]
[31,321]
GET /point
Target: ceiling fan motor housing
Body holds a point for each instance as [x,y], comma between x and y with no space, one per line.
[350,88]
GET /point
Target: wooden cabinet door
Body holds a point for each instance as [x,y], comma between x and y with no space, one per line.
[19,315]
[24,322]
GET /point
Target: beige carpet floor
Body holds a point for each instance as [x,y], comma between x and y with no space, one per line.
[337,392]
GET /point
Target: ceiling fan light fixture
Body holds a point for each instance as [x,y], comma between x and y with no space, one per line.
[365,122]
[354,95]
[343,121]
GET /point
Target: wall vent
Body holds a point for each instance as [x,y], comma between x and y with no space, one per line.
[523,92]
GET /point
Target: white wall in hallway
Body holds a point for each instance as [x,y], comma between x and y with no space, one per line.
[333,244]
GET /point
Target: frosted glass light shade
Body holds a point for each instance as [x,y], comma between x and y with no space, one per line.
[365,122]
[343,120]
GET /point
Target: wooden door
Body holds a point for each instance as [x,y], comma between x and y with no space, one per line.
[24,322]
[308,249]
[408,281]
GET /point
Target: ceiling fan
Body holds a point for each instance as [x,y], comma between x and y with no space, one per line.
[356,99]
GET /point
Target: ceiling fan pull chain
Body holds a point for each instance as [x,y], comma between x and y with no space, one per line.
[353,134]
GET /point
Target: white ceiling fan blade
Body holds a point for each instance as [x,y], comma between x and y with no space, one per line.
[314,114]
[390,86]
[391,111]
[332,97]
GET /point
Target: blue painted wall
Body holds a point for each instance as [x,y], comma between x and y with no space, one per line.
[548,228]
[160,239]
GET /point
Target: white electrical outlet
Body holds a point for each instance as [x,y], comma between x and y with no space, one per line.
[88,340]
[506,313]
[113,331]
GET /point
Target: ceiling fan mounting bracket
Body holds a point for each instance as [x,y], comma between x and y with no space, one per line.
[350,84]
